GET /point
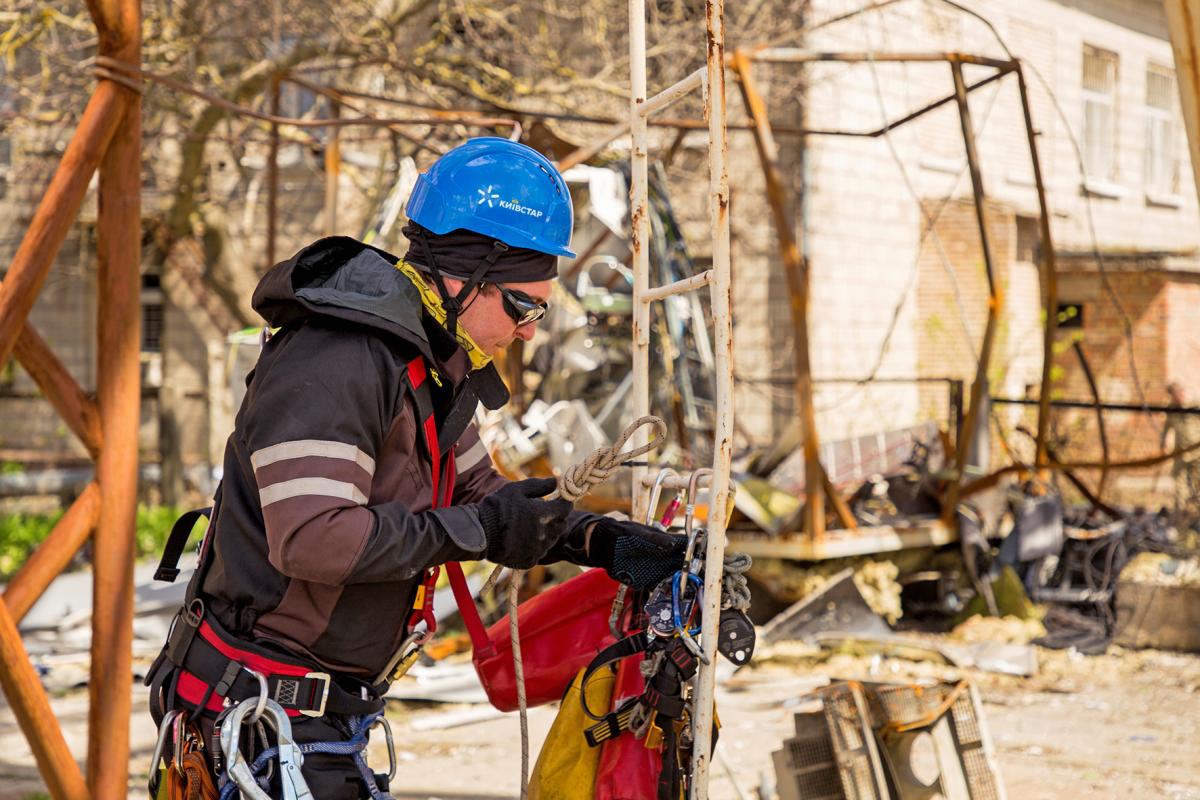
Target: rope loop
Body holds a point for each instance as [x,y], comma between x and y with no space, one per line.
[603,462]
[117,71]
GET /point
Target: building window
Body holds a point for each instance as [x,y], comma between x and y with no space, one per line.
[1099,113]
[1162,154]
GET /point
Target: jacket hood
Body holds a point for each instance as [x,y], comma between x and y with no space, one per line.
[342,278]
[345,279]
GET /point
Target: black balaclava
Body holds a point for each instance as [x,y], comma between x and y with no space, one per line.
[471,257]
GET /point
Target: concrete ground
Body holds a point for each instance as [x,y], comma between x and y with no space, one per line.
[1123,725]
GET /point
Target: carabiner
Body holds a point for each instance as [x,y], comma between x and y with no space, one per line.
[656,491]
[164,730]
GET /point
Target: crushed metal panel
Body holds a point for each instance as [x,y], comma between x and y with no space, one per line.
[806,768]
[859,764]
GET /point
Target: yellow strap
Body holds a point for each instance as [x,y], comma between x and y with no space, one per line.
[433,304]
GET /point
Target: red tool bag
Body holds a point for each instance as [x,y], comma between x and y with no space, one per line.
[562,629]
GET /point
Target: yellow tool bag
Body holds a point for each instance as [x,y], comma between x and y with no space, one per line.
[566,767]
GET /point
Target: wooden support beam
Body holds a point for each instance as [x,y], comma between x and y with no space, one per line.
[32,709]
[53,555]
[57,211]
[798,290]
[75,406]
[118,390]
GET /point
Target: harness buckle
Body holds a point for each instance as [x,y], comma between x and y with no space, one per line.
[319,711]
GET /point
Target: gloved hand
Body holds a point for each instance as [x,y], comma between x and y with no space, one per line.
[520,528]
[636,555]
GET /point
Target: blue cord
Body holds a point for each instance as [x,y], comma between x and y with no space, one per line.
[354,747]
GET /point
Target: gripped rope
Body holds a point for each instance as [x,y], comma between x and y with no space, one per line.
[574,484]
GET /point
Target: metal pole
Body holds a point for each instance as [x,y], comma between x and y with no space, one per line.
[57,211]
[53,554]
[817,485]
[639,238]
[273,174]
[721,294]
[333,169]
[32,710]
[995,300]
[1049,270]
[77,408]
[118,391]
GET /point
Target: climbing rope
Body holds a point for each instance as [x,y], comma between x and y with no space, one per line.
[574,484]
[735,591]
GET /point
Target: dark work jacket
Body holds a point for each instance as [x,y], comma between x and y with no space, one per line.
[322,528]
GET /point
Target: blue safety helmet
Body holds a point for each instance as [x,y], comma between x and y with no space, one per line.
[497,188]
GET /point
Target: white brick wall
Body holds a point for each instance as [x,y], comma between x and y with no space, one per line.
[864,226]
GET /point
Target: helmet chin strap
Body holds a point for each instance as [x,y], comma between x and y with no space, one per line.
[454,303]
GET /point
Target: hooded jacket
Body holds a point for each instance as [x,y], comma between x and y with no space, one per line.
[322,528]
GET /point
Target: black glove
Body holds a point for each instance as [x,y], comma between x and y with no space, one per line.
[520,528]
[636,555]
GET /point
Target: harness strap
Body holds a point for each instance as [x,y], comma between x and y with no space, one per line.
[168,566]
[212,669]
[630,645]
[443,492]
[612,725]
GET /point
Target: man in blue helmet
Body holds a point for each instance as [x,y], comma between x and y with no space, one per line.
[355,467]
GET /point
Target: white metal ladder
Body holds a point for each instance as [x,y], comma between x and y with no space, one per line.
[711,81]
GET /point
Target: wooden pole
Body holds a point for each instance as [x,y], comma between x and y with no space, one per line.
[56,213]
[77,409]
[31,708]
[119,234]
[53,555]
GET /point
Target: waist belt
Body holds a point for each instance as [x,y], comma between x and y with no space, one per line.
[213,665]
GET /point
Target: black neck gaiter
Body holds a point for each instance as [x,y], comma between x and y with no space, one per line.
[459,253]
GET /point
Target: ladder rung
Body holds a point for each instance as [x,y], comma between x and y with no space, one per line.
[678,287]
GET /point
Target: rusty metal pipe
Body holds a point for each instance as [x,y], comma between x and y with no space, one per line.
[640,236]
[794,55]
[77,408]
[1049,276]
[118,391]
[35,717]
[333,169]
[53,555]
[1104,454]
[56,213]
[721,293]
[995,300]
[273,176]
[798,292]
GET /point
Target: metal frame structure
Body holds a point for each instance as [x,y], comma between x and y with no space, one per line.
[798,272]
[108,139]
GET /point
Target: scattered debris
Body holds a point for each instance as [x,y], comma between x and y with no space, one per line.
[1157,607]
[879,740]
[875,578]
[837,617]
[839,606]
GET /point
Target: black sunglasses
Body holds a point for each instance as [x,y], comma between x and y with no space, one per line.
[521,307]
